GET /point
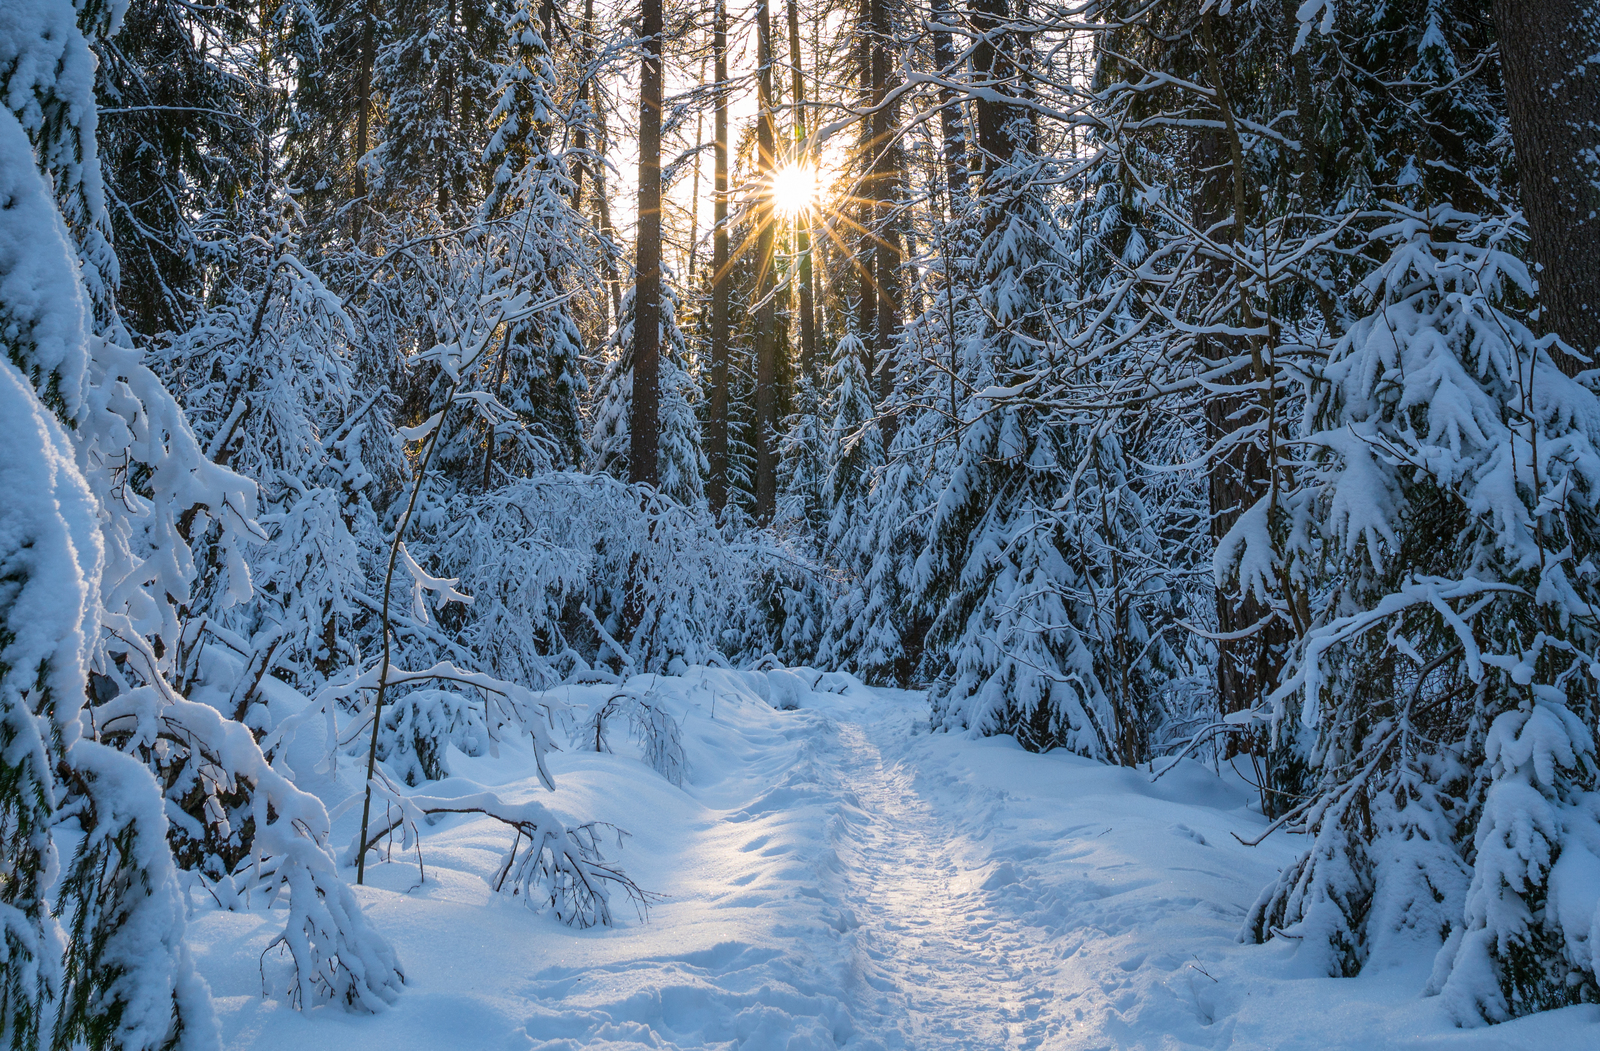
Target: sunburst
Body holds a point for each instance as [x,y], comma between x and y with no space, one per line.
[795,189]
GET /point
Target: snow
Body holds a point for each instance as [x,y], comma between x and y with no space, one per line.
[837,876]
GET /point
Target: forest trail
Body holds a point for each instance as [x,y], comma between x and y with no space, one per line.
[964,976]
[833,877]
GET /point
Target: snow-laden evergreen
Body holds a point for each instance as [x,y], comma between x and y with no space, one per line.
[1441,414]
[267,379]
[106,955]
[854,448]
[1012,639]
[437,74]
[538,374]
[682,458]
[1194,388]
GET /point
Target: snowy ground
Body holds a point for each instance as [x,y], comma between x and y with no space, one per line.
[835,876]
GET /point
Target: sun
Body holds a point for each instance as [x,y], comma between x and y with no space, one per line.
[794,189]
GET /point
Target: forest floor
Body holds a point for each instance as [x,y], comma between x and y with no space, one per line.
[835,876]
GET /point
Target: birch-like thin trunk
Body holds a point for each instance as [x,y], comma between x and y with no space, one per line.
[810,364]
[767,343]
[717,431]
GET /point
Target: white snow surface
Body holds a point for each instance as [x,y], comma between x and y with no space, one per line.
[837,876]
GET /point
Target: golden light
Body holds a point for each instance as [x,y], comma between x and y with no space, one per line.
[794,189]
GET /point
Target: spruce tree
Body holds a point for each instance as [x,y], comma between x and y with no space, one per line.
[681,458]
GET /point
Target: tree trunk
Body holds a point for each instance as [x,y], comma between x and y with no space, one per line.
[694,189]
[866,280]
[767,281]
[717,437]
[580,134]
[809,362]
[644,423]
[951,126]
[364,103]
[602,196]
[1248,666]
[1548,61]
[993,72]
[886,177]
[442,146]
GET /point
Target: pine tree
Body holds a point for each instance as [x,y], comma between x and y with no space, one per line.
[854,447]
[119,974]
[333,49]
[1014,656]
[437,77]
[538,373]
[682,461]
[181,134]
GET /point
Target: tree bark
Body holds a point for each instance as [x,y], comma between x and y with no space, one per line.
[717,436]
[602,196]
[644,423]
[1249,665]
[441,146]
[580,134]
[767,283]
[809,362]
[886,176]
[1552,83]
[993,72]
[368,54]
[694,189]
[951,125]
[867,289]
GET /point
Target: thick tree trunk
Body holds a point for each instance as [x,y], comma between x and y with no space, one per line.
[1550,63]
[809,362]
[717,431]
[644,424]
[767,344]
[993,71]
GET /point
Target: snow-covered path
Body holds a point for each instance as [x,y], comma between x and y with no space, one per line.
[962,976]
[837,877]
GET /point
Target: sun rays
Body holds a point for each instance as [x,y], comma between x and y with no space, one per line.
[804,193]
[795,189]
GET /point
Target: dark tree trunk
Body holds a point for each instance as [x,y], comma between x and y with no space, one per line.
[644,423]
[867,289]
[993,72]
[602,197]
[364,102]
[767,344]
[596,165]
[717,436]
[1552,82]
[951,125]
[580,134]
[1231,480]
[441,146]
[809,363]
[886,176]
[1248,665]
